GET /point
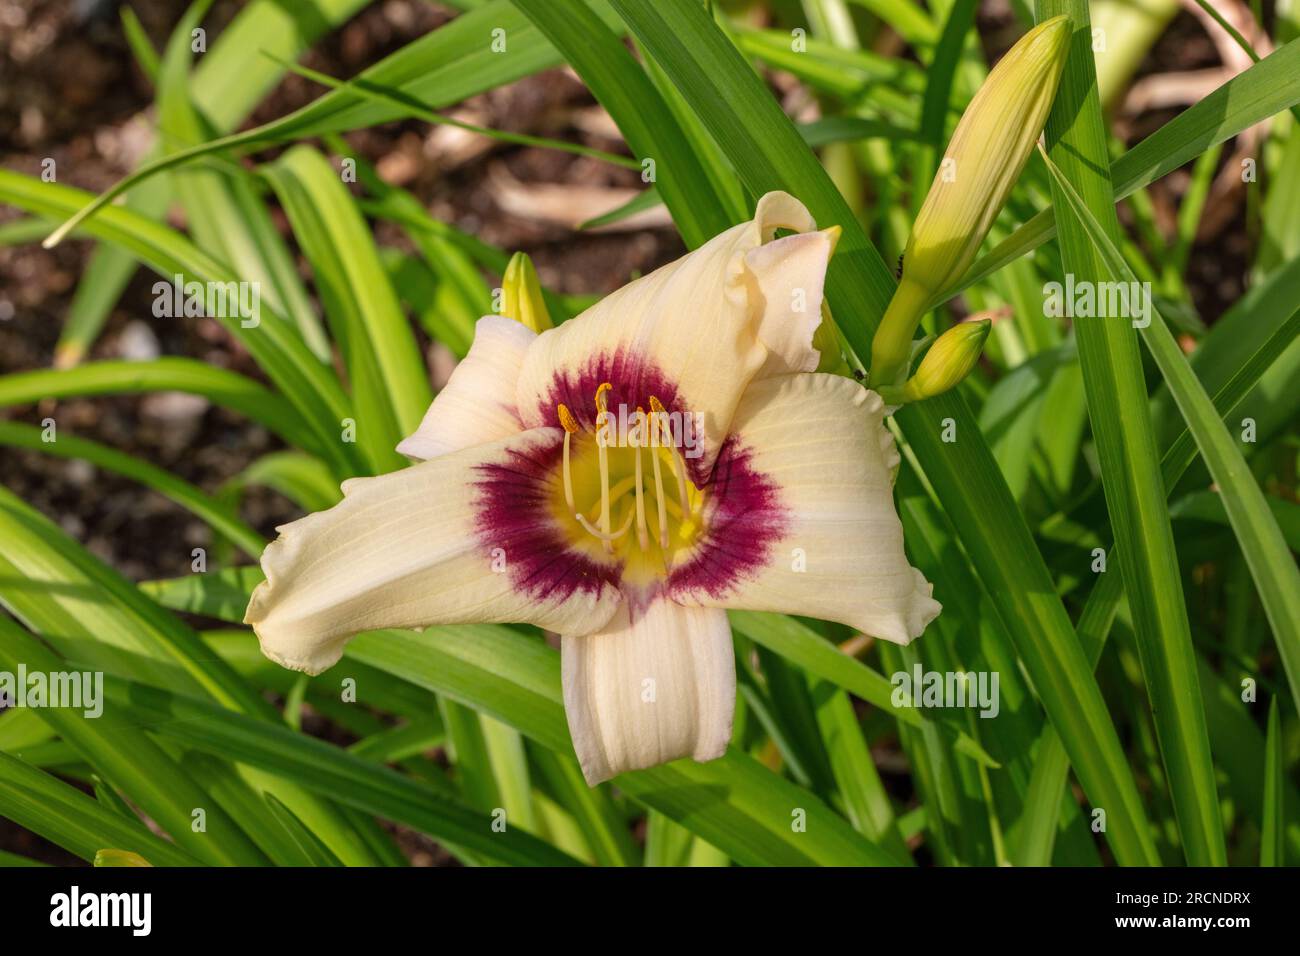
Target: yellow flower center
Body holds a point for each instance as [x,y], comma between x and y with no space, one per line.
[625,497]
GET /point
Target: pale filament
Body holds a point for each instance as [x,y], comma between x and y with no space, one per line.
[659,482]
[570,426]
[642,540]
[601,412]
[679,464]
[607,538]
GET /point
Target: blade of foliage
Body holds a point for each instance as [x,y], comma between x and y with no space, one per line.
[605,829]
[90,614]
[388,380]
[215,514]
[231,79]
[303,479]
[163,374]
[413,108]
[133,763]
[43,804]
[1272,841]
[1112,374]
[443,67]
[1262,542]
[1235,376]
[220,594]
[866,802]
[802,645]
[642,116]
[223,210]
[326,769]
[274,343]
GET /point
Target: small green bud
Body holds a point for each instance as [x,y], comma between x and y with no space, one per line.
[826,340]
[949,361]
[119,858]
[521,294]
[984,159]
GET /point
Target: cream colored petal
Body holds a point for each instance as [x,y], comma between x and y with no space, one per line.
[423,546]
[647,690]
[478,403]
[821,442]
[788,276]
[688,334]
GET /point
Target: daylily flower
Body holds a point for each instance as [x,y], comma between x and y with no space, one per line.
[621,480]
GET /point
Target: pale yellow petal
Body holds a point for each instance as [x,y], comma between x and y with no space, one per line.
[688,333]
[477,404]
[424,546]
[788,276]
[821,443]
[655,684]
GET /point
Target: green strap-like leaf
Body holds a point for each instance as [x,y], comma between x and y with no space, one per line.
[166,373]
[220,518]
[1262,542]
[1130,465]
[274,343]
[327,770]
[389,384]
[132,762]
[43,804]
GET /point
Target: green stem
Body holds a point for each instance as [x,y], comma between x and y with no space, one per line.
[891,349]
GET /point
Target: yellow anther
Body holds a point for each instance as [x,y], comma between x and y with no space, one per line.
[567,421]
[656,406]
[601,400]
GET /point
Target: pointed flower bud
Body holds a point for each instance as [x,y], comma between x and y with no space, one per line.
[988,150]
[950,359]
[521,294]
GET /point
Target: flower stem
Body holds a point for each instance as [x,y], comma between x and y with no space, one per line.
[891,349]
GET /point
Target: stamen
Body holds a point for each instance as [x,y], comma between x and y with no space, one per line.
[608,539]
[642,539]
[659,477]
[679,463]
[602,412]
[570,427]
